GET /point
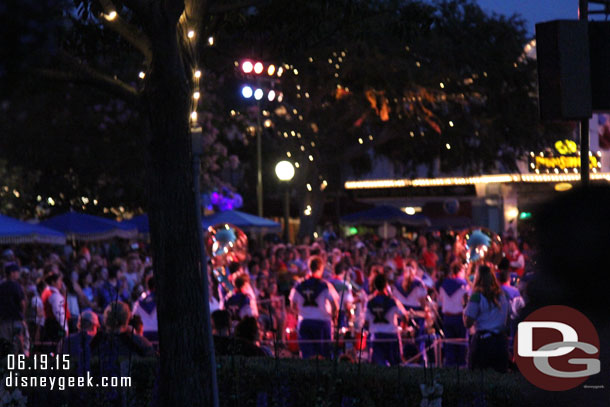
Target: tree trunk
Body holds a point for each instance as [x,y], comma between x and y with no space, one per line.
[184,350]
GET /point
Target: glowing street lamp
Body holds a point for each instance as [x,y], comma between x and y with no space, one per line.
[285,172]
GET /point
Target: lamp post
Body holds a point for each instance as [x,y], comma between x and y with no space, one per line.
[285,172]
[255,71]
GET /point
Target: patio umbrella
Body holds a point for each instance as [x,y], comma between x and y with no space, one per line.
[13,231]
[383,215]
[240,219]
[83,227]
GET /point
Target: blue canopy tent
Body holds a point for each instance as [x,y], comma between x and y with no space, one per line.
[140,222]
[385,214]
[13,231]
[240,219]
[83,227]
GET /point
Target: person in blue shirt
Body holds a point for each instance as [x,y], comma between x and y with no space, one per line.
[382,313]
[487,310]
[113,289]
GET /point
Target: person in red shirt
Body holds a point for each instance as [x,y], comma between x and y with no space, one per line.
[515,257]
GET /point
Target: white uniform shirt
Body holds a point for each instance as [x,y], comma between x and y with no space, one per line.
[149,320]
[313,298]
[57,303]
[413,297]
[453,303]
[382,313]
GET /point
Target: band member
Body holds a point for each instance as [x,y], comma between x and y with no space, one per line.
[411,292]
[241,304]
[452,294]
[487,310]
[382,312]
[344,290]
[316,302]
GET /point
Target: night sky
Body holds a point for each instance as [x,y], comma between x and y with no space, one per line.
[534,11]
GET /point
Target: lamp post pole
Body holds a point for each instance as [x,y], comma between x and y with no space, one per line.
[285,172]
[287,212]
[259,161]
[583,14]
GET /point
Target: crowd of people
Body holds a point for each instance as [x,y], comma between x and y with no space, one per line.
[390,301]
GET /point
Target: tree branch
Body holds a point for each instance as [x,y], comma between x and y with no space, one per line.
[128,32]
[89,76]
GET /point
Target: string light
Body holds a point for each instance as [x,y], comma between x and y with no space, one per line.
[191,34]
[141,75]
[450,123]
[211,40]
[258,68]
[197,74]
[196,95]
[110,16]
[310,157]
[296,164]
[360,141]
[288,154]
[309,187]
[194,116]
[483,179]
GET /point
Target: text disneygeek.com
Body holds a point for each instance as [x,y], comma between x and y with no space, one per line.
[20,370]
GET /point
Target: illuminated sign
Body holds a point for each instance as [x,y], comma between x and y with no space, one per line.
[565,159]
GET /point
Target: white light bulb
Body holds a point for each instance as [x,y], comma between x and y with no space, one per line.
[258,68]
[194,116]
[258,94]
[191,34]
[110,16]
[196,95]
[141,75]
[247,67]
[271,95]
[211,40]
[197,74]
[246,92]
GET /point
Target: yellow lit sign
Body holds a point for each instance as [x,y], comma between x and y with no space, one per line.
[562,162]
[565,147]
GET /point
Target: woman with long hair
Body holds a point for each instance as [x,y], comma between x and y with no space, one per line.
[487,310]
